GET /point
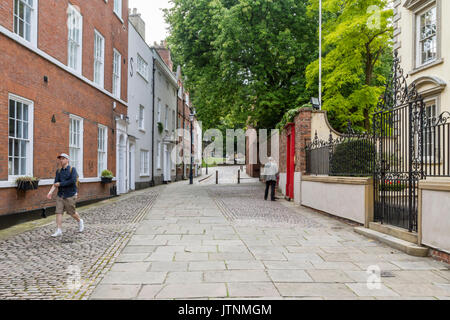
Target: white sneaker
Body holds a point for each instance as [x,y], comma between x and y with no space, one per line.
[81,224]
[58,233]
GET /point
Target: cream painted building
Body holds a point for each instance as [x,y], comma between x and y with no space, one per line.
[422,38]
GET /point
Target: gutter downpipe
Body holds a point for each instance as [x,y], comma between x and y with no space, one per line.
[153,125]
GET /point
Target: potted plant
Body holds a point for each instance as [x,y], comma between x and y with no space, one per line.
[160,127]
[27,183]
[107,176]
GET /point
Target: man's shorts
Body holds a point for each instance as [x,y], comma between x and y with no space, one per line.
[67,205]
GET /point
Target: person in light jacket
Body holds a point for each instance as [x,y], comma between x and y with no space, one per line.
[270,173]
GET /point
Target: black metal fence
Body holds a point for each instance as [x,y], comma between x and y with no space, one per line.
[351,154]
[436,145]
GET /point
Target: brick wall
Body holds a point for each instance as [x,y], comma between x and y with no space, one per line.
[53,33]
[22,73]
[302,137]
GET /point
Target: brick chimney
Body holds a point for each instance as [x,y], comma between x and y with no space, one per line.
[164,52]
[137,22]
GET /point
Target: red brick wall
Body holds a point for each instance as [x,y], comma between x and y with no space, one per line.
[302,137]
[53,33]
[12,201]
[22,73]
[440,255]
[165,55]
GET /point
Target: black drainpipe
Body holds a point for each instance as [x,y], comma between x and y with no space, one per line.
[153,125]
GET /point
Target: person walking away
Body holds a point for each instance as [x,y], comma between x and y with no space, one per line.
[66,182]
[270,174]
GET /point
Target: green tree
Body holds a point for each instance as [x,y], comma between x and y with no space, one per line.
[357,44]
[245,60]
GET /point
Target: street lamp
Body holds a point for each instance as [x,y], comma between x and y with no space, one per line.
[315,103]
[191,119]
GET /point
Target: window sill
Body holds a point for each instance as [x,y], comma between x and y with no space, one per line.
[142,130]
[426,66]
[48,182]
[146,80]
[118,17]
[144,175]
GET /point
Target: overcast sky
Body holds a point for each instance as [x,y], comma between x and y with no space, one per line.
[155,27]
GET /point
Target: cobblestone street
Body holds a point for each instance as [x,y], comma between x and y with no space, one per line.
[35,266]
[225,241]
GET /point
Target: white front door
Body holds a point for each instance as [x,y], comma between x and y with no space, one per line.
[121,182]
[166,162]
[131,173]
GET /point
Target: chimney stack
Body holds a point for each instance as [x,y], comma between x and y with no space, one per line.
[137,22]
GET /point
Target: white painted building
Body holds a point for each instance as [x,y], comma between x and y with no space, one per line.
[140,105]
[165,116]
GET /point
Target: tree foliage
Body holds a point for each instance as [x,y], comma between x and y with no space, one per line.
[244,60]
[357,45]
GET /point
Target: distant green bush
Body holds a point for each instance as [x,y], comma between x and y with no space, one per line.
[353,158]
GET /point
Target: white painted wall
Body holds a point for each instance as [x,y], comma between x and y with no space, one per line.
[168,96]
[297,187]
[342,200]
[436,219]
[140,94]
[282,183]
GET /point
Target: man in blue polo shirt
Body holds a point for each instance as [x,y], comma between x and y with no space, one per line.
[66,182]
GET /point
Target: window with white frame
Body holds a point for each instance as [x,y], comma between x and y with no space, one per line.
[158,155]
[118,7]
[141,117]
[25,19]
[145,163]
[102,149]
[174,120]
[430,132]
[20,137]
[166,118]
[116,74]
[159,110]
[142,67]
[75,27]
[427,36]
[76,143]
[99,58]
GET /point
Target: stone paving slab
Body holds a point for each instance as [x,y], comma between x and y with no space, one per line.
[112,292]
[225,242]
[314,290]
[252,289]
[202,290]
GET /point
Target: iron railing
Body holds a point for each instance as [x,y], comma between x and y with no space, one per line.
[351,154]
[436,146]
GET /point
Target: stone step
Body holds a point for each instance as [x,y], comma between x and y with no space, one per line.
[399,244]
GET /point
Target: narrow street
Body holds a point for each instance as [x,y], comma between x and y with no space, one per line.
[225,241]
[182,241]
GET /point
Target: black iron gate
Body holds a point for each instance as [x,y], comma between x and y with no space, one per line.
[398,133]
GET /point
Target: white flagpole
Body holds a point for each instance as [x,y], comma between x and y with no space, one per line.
[320,54]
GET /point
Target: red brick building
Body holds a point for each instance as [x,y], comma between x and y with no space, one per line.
[64,89]
[183,112]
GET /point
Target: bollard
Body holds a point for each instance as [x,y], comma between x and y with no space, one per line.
[206,167]
[239,176]
[217,177]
